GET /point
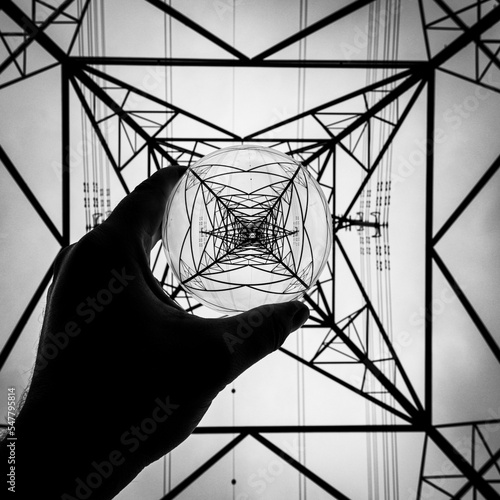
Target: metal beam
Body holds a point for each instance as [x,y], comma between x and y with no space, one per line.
[79,25]
[308,429]
[121,113]
[424,31]
[175,14]
[376,372]
[99,134]
[381,328]
[159,101]
[470,422]
[271,140]
[313,28]
[245,63]
[474,316]
[492,461]
[65,157]
[28,75]
[25,316]
[350,321]
[462,464]
[385,147]
[429,217]
[449,51]
[422,467]
[458,21]
[18,16]
[4,158]
[334,102]
[32,34]
[369,113]
[203,468]
[492,170]
[480,83]
[472,33]
[343,383]
[170,143]
[334,492]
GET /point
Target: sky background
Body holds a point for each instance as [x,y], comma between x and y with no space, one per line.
[466,376]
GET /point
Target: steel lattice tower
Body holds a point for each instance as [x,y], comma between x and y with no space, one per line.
[356,130]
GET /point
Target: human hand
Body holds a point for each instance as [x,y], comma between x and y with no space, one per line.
[123,374]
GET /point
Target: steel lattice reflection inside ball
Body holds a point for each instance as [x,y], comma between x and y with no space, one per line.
[247,226]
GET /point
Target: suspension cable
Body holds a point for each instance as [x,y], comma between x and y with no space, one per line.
[383,36]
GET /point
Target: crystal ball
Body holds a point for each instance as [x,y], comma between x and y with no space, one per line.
[247,226]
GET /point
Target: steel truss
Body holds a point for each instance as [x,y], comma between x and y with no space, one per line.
[141,130]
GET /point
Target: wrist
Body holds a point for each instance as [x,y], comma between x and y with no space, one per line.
[59,457]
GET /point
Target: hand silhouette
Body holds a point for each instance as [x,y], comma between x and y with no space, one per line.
[123,374]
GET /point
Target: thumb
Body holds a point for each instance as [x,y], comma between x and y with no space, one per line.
[260,331]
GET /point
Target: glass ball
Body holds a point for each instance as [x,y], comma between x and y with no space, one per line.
[247,226]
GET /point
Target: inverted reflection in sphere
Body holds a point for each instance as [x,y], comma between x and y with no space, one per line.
[246,226]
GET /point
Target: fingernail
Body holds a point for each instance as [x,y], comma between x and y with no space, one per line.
[301,316]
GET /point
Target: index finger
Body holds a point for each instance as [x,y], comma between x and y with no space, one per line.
[139,216]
